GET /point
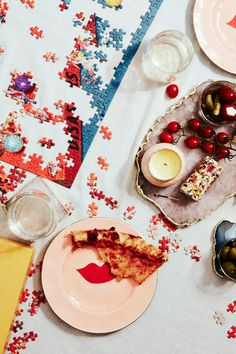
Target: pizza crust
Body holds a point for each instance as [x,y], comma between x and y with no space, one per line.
[127,255]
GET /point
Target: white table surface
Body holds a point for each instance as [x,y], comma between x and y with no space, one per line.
[180,317]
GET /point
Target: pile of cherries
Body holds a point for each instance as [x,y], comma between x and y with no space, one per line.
[205,137]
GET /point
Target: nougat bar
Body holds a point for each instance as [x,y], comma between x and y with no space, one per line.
[201,179]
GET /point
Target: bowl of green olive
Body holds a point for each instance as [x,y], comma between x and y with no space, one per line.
[227,257]
[224,251]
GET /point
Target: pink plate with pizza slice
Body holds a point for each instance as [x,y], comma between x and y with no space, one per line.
[80,288]
[215,28]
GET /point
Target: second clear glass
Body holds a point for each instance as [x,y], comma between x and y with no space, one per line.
[166,55]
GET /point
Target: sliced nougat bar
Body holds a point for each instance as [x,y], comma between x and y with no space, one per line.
[201,179]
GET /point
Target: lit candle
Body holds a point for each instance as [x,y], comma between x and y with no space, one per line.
[163,164]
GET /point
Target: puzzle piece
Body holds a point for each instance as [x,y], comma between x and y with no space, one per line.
[164,244]
[219,318]
[107,134]
[92,210]
[97,194]
[24,296]
[232,332]
[78,19]
[69,207]
[36,32]
[102,162]
[37,299]
[231,307]
[17,326]
[21,342]
[101,56]
[64,5]
[115,39]
[50,57]
[113,204]
[194,252]
[152,230]
[45,142]
[3,11]
[92,180]
[28,3]
[129,213]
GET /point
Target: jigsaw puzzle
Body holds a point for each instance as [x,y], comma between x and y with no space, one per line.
[58,107]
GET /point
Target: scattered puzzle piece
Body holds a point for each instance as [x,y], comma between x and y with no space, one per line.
[37,299]
[219,318]
[28,3]
[129,213]
[36,32]
[21,342]
[50,57]
[107,134]
[24,296]
[69,207]
[194,252]
[92,180]
[92,210]
[17,326]
[113,204]
[3,11]
[164,244]
[102,161]
[97,194]
[45,142]
[232,307]
[232,332]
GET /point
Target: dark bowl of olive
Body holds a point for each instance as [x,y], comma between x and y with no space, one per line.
[227,259]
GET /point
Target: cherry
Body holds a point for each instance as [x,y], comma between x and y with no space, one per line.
[192,142]
[222,138]
[173,127]
[222,152]
[208,147]
[206,132]
[166,137]
[194,124]
[172,90]
[228,112]
[227,95]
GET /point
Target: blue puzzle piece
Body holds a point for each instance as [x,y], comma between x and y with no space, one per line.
[115,39]
[101,56]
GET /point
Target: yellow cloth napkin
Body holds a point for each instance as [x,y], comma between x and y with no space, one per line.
[15,259]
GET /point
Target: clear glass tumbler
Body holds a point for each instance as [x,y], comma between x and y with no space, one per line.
[166,55]
[31,215]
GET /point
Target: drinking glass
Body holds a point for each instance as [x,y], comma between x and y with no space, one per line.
[31,215]
[166,55]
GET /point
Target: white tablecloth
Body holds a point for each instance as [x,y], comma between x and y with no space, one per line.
[180,317]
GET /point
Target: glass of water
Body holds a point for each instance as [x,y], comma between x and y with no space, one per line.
[31,215]
[166,55]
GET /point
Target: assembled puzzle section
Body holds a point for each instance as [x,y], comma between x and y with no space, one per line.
[57,135]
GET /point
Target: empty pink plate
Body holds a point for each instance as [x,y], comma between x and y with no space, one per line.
[82,292]
[215,27]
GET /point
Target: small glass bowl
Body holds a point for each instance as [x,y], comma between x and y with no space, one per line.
[221,261]
[202,110]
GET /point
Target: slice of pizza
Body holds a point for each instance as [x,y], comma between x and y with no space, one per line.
[127,255]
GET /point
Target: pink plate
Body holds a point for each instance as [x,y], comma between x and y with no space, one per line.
[91,301]
[215,27]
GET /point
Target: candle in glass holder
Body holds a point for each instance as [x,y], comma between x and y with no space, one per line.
[163,164]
